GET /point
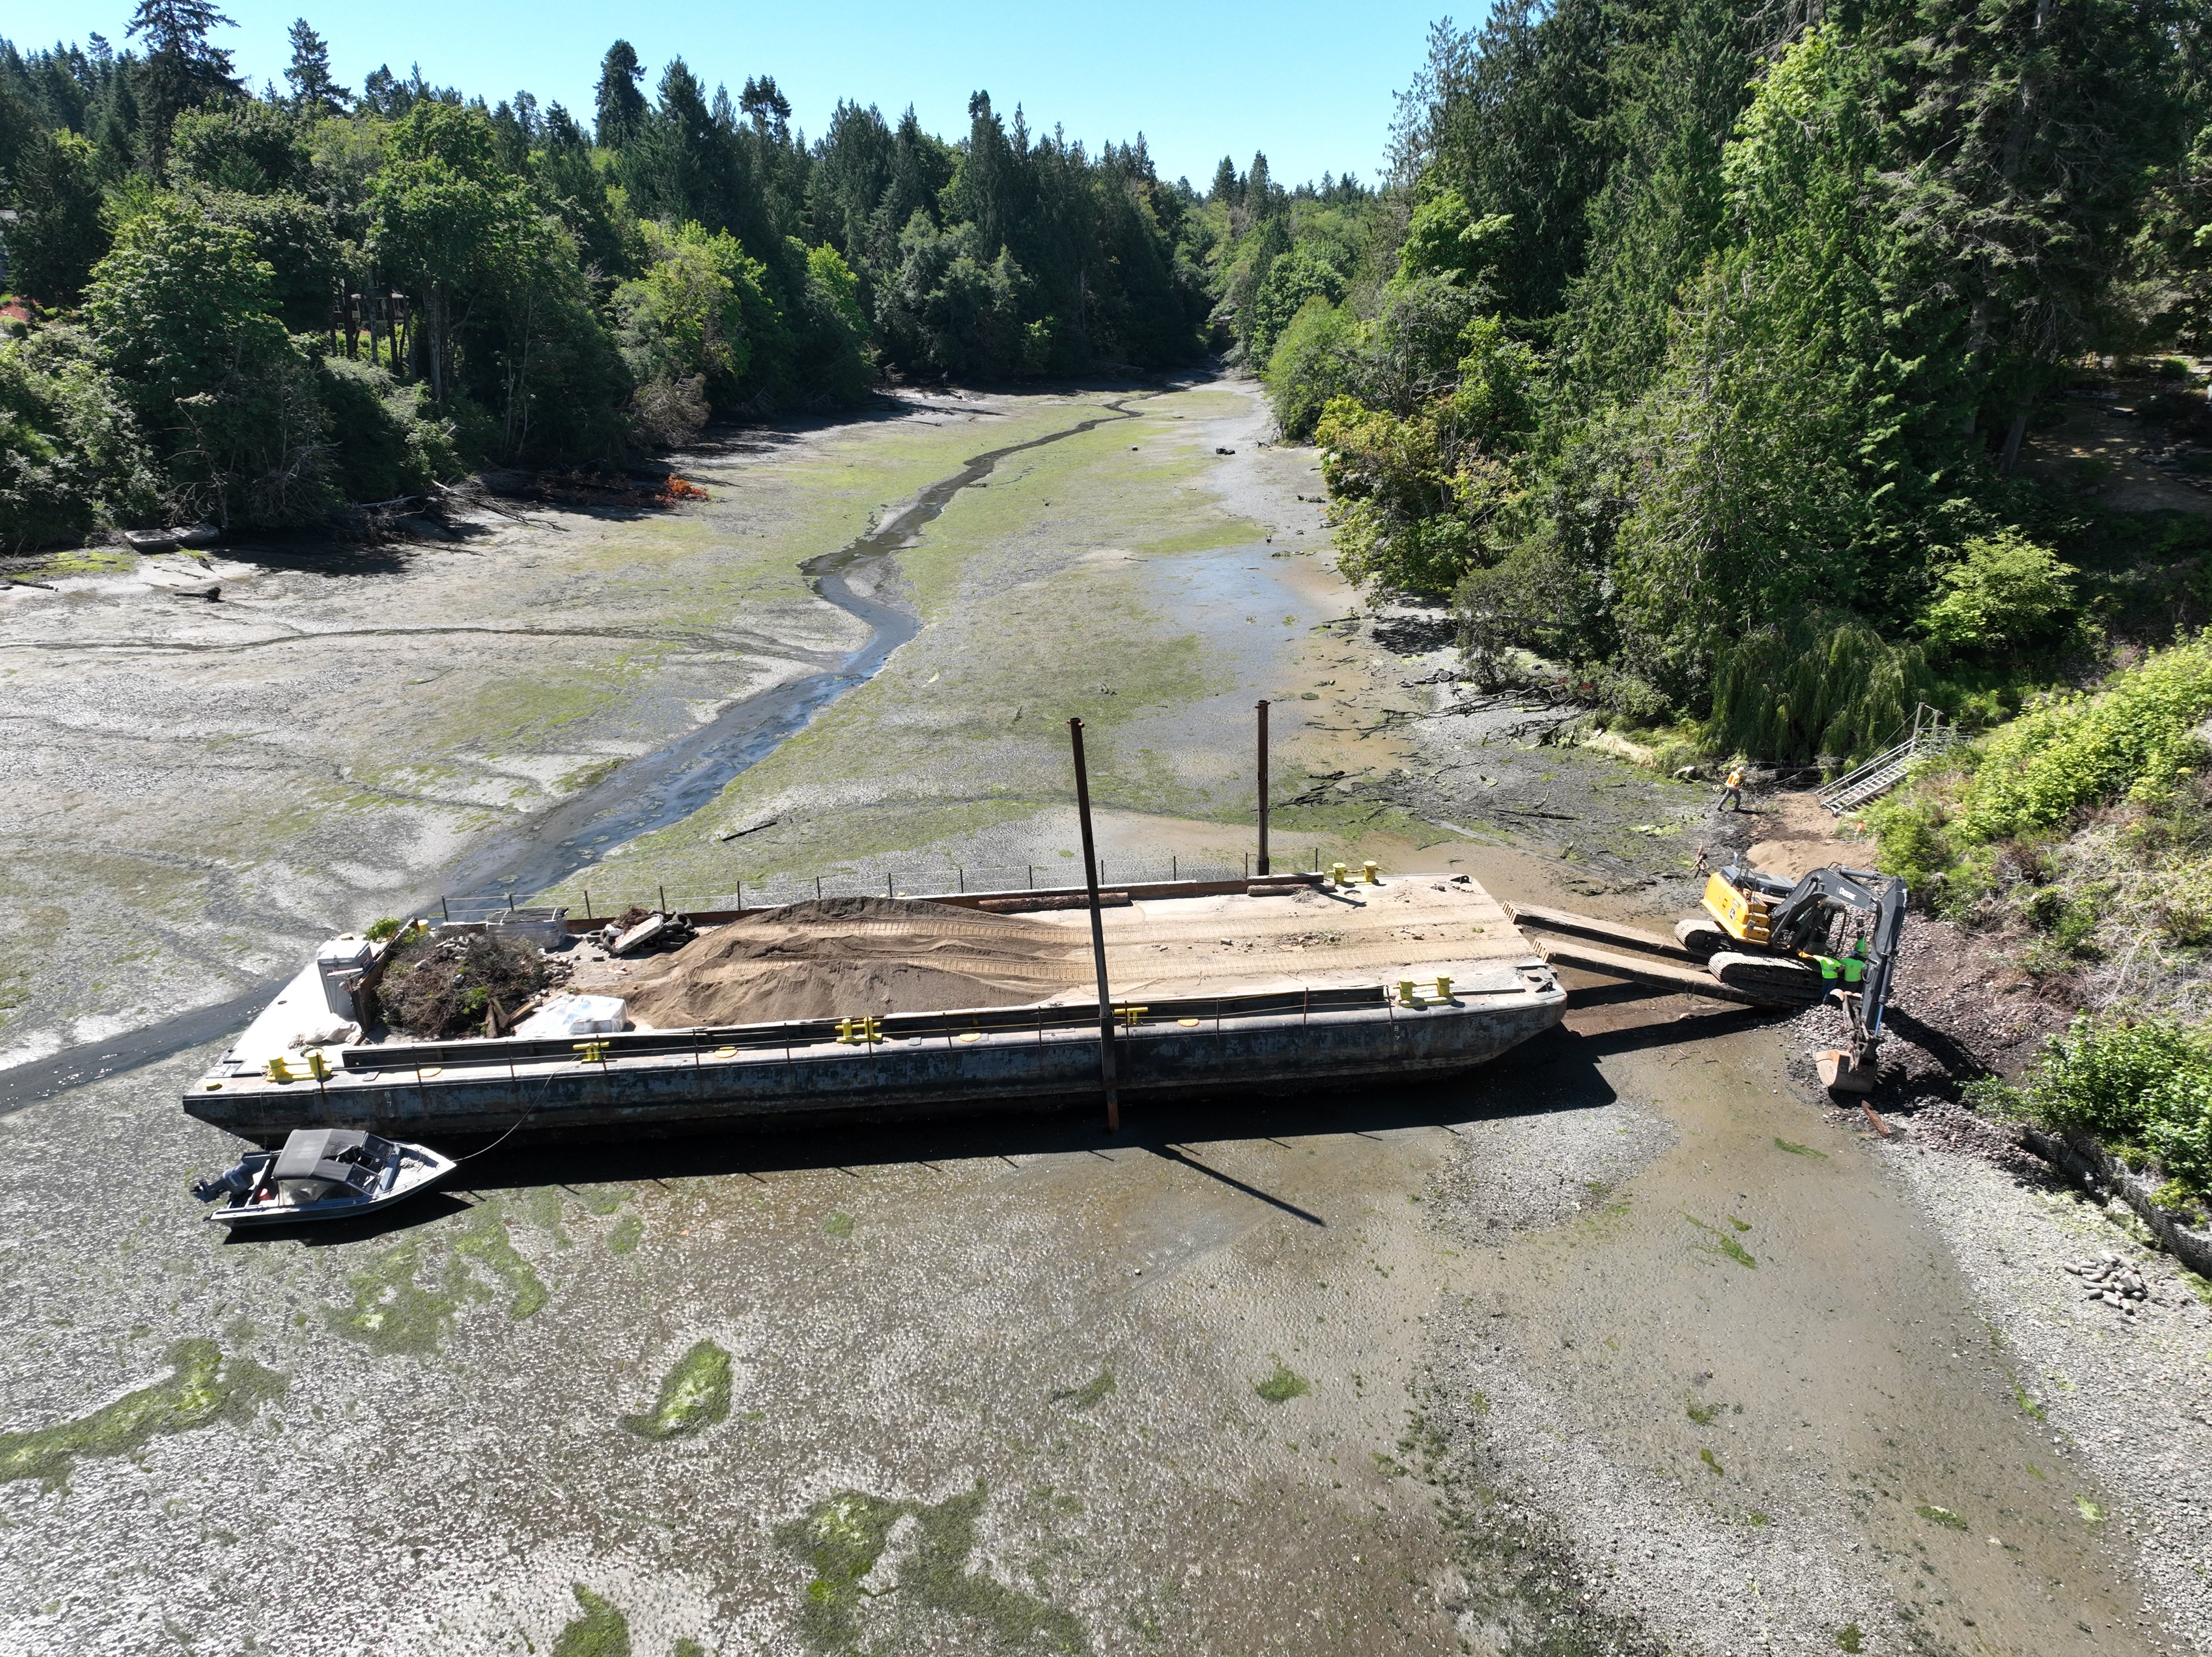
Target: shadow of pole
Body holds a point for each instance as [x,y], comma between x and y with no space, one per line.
[1175,1153]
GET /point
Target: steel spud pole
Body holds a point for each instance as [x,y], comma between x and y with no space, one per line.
[1098,934]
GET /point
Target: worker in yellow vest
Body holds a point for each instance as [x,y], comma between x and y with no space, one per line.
[1732,789]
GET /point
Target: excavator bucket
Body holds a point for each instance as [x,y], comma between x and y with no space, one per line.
[1839,1073]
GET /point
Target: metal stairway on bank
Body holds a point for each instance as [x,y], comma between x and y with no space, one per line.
[1871,780]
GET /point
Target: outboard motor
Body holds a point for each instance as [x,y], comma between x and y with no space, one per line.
[236,1182]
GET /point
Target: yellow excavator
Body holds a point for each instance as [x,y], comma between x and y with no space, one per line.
[1832,934]
[1766,942]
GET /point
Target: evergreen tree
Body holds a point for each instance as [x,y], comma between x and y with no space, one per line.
[2026,132]
[621,105]
[1513,118]
[768,109]
[182,67]
[313,88]
[58,236]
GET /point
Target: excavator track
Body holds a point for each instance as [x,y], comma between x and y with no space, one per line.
[1770,977]
[1700,937]
[1635,956]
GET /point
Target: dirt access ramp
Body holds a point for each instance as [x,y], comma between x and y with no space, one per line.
[1795,835]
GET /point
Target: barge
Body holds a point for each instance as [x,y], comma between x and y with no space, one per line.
[1266,986]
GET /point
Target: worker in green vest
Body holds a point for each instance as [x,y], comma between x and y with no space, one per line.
[1855,963]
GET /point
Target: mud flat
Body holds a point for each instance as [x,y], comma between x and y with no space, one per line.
[1590,1345]
[1626,1344]
[198,788]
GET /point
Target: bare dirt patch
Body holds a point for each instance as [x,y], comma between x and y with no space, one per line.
[2098,447]
[1795,834]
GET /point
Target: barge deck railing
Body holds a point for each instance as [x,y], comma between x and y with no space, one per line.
[590,900]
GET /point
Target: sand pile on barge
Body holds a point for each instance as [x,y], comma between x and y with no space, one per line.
[841,956]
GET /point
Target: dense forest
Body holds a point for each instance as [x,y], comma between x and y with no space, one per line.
[258,308]
[1694,346]
[1690,347]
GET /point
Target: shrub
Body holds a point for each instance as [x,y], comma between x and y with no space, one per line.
[2005,593]
[70,452]
[2140,1084]
[1397,502]
[1315,359]
[1531,599]
[387,440]
[180,311]
[2180,1128]
[2135,739]
[1909,828]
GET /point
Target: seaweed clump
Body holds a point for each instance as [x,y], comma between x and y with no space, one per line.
[457,984]
[694,1395]
[203,1388]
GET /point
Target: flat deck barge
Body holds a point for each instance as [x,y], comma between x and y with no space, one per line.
[1266,986]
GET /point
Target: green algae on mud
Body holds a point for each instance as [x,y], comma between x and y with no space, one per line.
[201,1389]
[601,1631]
[485,1239]
[694,1395]
[1091,1392]
[1723,1245]
[1283,1386]
[393,1313]
[622,1237]
[935,1601]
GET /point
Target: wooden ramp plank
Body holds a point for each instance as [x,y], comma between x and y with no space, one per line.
[1605,931]
[1642,969]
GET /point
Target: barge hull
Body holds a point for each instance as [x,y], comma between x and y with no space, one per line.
[689,1083]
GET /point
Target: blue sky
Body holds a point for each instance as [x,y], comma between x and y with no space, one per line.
[1312,85]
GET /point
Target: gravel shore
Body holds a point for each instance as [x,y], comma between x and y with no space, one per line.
[2129,1398]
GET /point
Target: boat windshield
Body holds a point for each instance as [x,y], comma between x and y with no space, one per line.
[358,1182]
[318,1163]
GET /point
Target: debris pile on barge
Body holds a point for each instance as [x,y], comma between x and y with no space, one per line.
[886,1008]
